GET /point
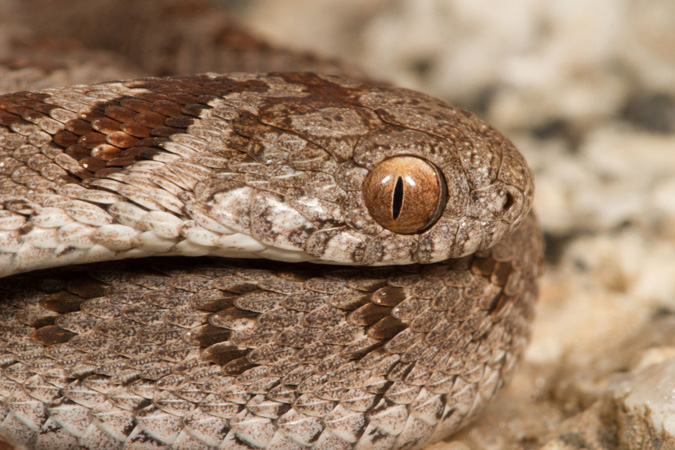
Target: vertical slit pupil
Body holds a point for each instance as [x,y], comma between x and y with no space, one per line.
[397,201]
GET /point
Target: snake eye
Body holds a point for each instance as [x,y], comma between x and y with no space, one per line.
[405,194]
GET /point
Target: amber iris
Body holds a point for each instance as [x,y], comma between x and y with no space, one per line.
[405,194]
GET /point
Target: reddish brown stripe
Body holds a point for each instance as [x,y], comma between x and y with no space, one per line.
[117,133]
[65,138]
[106,152]
[22,107]
[105,124]
[120,113]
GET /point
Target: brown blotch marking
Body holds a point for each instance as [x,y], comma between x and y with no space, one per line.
[51,335]
[65,138]
[388,296]
[77,152]
[149,97]
[91,140]
[87,288]
[319,95]
[51,285]
[322,92]
[7,119]
[41,320]
[150,119]
[121,139]
[233,315]
[238,366]
[214,304]
[166,108]
[106,152]
[193,110]
[368,285]
[164,131]
[62,302]
[134,104]
[369,314]
[23,107]
[78,126]
[182,98]
[236,287]
[137,130]
[92,115]
[386,328]
[120,114]
[107,138]
[92,164]
[105,125]
[207,335]
[222,354]
[179,121]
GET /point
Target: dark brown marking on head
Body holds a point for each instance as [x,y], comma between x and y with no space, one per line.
[318,115]
[320,89]
[321,93]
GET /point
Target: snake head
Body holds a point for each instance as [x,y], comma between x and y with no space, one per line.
[332,170]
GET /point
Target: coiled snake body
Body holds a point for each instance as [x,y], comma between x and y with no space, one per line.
[419,308]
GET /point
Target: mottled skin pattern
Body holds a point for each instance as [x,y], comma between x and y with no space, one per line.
[239,354]
[232,354]
[250,353]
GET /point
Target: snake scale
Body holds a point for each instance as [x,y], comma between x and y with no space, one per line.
[364,265]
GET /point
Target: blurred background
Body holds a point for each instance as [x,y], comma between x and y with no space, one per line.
[586,90]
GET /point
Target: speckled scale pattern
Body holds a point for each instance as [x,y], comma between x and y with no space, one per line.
[241,353]
[240,165]
[249,354]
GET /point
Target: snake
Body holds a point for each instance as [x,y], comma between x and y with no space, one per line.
[256,260]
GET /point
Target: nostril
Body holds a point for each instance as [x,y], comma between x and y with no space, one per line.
[510,200]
